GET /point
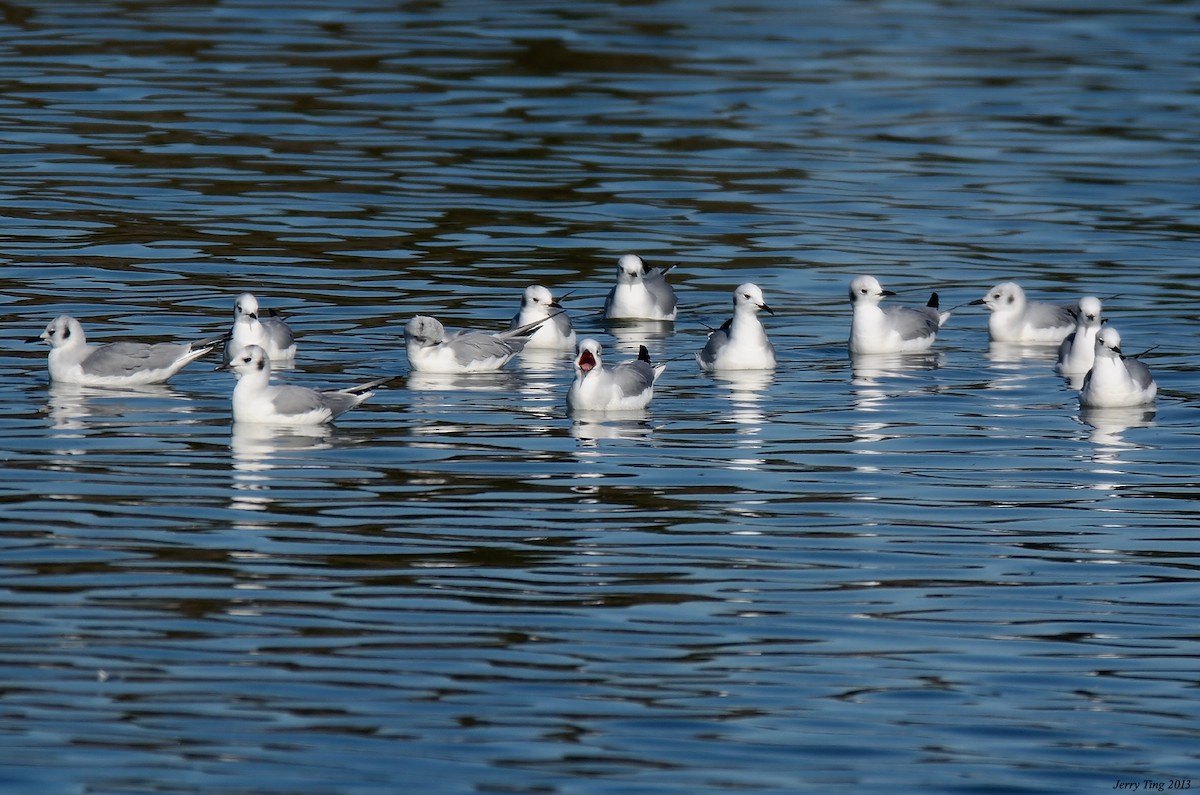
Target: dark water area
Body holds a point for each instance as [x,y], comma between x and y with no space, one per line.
[932,573]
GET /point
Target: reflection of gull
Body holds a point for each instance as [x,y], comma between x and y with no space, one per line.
[485,381]
[746,388]
[633,334]
[868,371]
[1019,351]
[588,429]
[255,447]
[69,403]
[1109,424]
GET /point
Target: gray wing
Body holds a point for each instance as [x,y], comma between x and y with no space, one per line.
[124,358]
[633,378]
[913,324]
[662,293]
[717,340]
[279,332]
[562,322]
[341,401]
[1042,315]
[608,300]
[473,345]
[1064,348]
[1139,372]
[290,400]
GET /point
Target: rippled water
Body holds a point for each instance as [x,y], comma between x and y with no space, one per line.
[925,574]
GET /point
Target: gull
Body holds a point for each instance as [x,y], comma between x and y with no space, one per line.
[628,386]
[1078,351]
[1014,319]
[272,335]
[73,361]
[538,304]
[641,292]
[432,350]
[255,399]
[741,342]
[897,329]
[1114,381]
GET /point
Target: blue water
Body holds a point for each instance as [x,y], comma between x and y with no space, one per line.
[929,574]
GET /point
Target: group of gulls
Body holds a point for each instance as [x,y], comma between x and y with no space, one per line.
[641,293]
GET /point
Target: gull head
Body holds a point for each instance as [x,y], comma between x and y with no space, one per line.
[64,331]
[424,331]
[867,290]
[539,297]
[1108,342]
[630,268]
[246,305]
[749,295]
[250,359]
[1004,296]
[588,358]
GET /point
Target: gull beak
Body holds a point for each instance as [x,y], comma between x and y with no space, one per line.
[977,302]
[766,309]
[586,362]
[886,292]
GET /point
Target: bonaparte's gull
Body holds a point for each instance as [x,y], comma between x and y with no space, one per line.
[627,386]
[641,292]
[271,334]
[255,399]
[432,350]
[741,342]
[538,304]
[1014,319]
[1114,381]
[72,360]
[897,329]
[1078,351]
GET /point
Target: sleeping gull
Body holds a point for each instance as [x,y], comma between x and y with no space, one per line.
[897,329]
[432,350]
[641,292]
[255,399]
[1014,319]
[272,334]
[628,386]
[72,360]
[538,304]
[1114,381]
[741,342]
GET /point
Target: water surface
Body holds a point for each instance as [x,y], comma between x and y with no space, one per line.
[932,573]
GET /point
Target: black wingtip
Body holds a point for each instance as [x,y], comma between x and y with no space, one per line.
[643,354]
[933,301]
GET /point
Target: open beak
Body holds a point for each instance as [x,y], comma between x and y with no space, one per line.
[586,362]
